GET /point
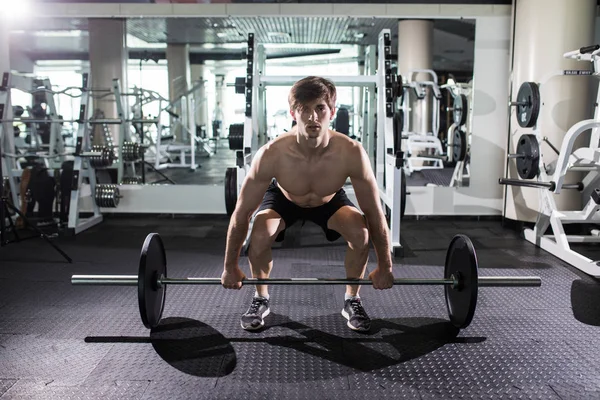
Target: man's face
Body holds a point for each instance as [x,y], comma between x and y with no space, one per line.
[313,119]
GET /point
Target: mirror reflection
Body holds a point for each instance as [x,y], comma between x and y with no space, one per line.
[170,116]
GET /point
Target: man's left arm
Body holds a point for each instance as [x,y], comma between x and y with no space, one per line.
[367,194]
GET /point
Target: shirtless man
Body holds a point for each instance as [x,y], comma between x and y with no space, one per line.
[299,176]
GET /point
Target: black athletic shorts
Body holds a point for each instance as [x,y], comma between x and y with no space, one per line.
[275,200]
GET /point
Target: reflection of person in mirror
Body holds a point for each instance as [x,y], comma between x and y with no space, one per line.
[218,113]
[299,176]
[217,120]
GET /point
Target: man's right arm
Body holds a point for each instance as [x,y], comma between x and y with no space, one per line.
[251,194]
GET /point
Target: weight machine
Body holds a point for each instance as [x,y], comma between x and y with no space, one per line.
[389,159]
[81,181]
[420,139]
[551,176]
[184,121]
[459,132]
[6,206]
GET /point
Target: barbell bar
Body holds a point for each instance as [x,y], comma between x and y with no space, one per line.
[461,281]
[551,185]
[132,280]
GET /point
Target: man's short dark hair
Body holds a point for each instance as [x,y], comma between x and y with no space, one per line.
[310,89]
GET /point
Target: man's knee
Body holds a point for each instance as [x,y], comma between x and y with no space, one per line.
[358,237]
[356,231]
[261,239]
[265,229]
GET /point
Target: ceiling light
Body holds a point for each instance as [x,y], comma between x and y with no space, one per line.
[59,33]
[280,35]
[228,34]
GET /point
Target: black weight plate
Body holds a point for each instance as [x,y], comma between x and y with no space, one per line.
[236,136]
[528,166]
[528,111]
[398,125]
[459,145]
[153,265]
[240,85]
[460,110]
[461,262]
[230,190]
[402,193]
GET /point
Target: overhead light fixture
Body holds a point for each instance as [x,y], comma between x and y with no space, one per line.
[359,35]
[279,35]
[228,34]
[59,33]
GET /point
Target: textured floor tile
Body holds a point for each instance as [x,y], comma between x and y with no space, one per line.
[6,384]
[231,391]
[34,389]
[67,362]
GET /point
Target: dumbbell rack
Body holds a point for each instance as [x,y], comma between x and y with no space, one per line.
[83,170]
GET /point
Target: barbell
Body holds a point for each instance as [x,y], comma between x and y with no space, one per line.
[461,281]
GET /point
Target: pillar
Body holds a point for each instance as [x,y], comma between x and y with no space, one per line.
[219,112]
[108,61]
[199,78]
[6,127]
[4,47]
[178,63]
[415,51]
[543,31]
[490,122]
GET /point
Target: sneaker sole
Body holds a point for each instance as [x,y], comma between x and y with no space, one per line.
[250,328]
[345,315]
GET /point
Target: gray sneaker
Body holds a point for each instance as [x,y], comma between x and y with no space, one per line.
[253,319]
[357,317]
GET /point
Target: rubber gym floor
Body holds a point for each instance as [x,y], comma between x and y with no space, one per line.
[59,341]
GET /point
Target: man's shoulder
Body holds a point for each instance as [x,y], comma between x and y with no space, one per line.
[280,141]
[346,143]
[274,148]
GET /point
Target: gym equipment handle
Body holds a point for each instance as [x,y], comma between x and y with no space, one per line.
[536,184]
[132,280]
[518,182]
[589,49]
